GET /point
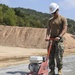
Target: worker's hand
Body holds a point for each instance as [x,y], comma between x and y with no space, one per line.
[47,39]
[57,39]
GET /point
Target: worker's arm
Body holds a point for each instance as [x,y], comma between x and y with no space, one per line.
[64,30]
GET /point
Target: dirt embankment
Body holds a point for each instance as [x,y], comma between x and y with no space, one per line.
[22,37]
[28,37]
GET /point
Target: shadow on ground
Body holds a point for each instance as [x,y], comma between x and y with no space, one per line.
[19,72]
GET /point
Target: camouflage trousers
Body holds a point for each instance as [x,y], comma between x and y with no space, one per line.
[56,53]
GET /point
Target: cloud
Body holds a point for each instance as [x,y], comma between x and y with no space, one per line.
[67,4]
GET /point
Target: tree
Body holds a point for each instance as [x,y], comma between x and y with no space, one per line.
[20,22]
[9,17]
[1,16]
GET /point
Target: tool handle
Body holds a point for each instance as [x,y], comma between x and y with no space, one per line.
[50,46]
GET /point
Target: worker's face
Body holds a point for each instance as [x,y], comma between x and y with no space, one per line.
[55,14]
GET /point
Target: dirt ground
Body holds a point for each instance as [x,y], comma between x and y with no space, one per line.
[15,55]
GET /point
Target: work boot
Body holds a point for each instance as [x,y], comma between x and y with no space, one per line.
[52,72]
[60,72]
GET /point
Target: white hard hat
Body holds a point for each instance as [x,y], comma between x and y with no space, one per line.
[53,7]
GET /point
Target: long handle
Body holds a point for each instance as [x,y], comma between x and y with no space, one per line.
[49,49]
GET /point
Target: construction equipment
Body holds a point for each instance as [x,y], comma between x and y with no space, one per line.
[39,64]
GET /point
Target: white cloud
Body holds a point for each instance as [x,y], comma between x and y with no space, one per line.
[67,4]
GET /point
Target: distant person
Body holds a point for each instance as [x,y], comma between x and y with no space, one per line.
[57,27]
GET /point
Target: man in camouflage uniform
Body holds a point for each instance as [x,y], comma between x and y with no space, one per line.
[57,27]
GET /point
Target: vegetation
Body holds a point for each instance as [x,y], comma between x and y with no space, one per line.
[27,18]
[71,26]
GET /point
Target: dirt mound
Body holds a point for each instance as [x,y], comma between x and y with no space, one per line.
[69,41]
[28,37]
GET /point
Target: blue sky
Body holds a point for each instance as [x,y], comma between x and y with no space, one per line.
[67,7]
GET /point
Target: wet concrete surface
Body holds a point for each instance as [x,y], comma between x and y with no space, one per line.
[68,69]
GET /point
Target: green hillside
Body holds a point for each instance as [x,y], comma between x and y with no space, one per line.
[27,18]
